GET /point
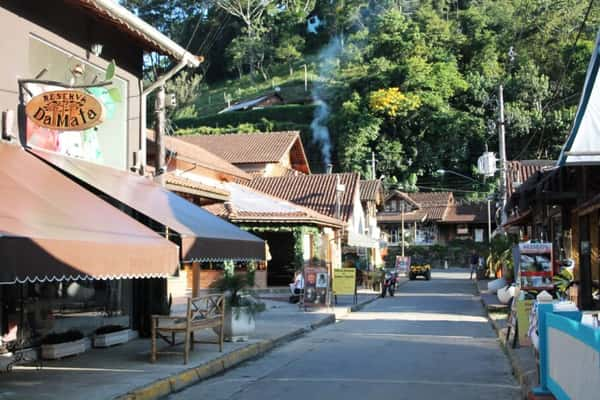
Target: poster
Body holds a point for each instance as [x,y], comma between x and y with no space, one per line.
[316,287]
[523,312]
[402,264]
[344,281]
[534,266]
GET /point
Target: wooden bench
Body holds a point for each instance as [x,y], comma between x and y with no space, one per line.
[204,312]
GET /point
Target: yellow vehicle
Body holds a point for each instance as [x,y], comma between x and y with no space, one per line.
[419,268]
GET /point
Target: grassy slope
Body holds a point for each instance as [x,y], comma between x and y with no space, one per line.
[211,100]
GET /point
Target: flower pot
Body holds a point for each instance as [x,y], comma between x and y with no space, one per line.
[494,285]
[505,294]
[113,338]
[60,350]
[239,324]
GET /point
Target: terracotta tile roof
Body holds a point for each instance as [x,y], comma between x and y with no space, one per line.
[396,217]
[474,213]
[317,192]
[517,172]
[177,183]
[432,205]
[247,148]
[248,205]
[196,154]
[371,190]
[435,203]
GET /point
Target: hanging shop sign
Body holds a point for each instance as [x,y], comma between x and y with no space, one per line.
[65,110]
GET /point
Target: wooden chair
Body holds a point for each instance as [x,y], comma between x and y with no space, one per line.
[204,312]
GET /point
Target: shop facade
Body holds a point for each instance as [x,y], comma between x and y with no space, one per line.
[86,240]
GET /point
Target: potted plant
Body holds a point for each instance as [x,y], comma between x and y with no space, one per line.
[59,345]
[110,335]
[240,307]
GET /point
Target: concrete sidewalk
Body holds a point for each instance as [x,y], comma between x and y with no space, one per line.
[125,371]
[522,359]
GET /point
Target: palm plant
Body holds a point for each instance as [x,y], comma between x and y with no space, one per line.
[500,255]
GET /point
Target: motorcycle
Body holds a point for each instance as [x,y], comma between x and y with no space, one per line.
[389,284]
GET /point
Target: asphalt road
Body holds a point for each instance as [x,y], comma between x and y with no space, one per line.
[431,341]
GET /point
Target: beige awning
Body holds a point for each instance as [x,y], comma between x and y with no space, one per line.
[52,229]
[203,237]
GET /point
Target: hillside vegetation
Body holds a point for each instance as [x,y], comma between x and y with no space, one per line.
[414,81]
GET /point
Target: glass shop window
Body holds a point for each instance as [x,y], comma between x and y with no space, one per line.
[104,144]
[37,309]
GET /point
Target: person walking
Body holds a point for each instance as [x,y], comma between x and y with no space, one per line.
[474,263]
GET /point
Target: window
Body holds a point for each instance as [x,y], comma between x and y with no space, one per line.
[479,235]
[462,230]
[104,144]
[426,235]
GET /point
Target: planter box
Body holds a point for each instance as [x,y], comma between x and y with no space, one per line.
[55,351]
[113,338]
[238,325]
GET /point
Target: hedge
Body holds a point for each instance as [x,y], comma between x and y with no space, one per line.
[456,252]
[299,114]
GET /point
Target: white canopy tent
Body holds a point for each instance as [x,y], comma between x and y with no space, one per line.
[583,145]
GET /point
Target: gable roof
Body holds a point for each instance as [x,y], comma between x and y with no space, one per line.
[435,203]
[198,155]
[371,190]
[317,192]
[251,148]
[519,171]
[404,196]
[248,205]
[475,213]
[145,34]
[430,206]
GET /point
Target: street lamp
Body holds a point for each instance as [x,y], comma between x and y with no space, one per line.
[489,212]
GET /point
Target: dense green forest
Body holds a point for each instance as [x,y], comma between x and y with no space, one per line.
[413,81]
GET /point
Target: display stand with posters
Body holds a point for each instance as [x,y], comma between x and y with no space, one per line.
[533,266]
[344,283]
[316,287]
[533,272]
[402,264]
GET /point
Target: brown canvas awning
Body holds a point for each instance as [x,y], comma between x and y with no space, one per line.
[204,237]
[52,229]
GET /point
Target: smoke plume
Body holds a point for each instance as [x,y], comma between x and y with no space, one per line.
[328,63]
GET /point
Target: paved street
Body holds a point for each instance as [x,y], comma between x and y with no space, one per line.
[430,341]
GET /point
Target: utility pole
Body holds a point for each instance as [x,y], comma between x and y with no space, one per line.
[402,210]
[489,220]
[502,152]
[305,78]
[373,173]
[160,129]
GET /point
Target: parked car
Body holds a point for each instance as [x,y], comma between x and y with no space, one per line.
[419,267]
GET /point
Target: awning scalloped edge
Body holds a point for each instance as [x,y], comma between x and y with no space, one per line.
[52,278]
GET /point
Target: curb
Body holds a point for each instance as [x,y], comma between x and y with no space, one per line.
[174,383]
[523,378]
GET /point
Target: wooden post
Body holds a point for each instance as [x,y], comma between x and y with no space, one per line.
[154,323]
[195,279]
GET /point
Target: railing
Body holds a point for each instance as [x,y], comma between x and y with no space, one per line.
[569,355]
